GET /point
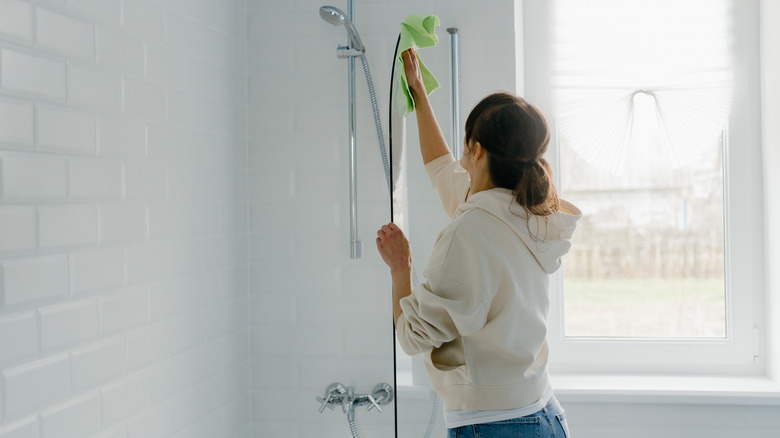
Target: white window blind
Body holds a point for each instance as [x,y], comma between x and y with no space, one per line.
[661,67]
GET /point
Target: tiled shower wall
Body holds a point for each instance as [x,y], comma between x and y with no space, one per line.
[317,316]
[123,257]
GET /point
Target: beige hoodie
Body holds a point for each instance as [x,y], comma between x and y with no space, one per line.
[480,316]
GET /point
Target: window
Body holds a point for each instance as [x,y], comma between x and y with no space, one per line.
[653,114]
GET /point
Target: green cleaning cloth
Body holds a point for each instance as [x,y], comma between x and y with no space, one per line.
[417,31]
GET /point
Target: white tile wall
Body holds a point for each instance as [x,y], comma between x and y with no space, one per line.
[84,184]
[134,220]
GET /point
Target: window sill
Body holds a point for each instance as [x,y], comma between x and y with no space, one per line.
[702,390]
[709,390]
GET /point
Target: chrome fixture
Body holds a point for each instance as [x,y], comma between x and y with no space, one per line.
[338,394]
[457,146]
[355,48]
[336,17]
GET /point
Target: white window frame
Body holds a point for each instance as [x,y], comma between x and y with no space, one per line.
[740,353]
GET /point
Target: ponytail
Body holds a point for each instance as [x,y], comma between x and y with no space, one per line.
[515,135]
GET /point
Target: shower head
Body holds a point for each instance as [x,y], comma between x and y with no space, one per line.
[336,16]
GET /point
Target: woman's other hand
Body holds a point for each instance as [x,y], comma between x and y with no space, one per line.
[413,75]
[394,248]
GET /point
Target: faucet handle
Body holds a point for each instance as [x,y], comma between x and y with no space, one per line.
[333,394]
[373,403]
[325,403]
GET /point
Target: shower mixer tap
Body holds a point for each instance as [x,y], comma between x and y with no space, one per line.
[336,394]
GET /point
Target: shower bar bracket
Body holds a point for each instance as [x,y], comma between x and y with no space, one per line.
[348,52]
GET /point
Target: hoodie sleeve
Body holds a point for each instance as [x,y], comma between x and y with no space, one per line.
[450,181]
[453,301]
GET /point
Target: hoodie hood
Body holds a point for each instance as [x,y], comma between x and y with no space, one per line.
[547,237]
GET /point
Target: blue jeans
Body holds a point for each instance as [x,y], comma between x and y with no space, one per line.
[550,422]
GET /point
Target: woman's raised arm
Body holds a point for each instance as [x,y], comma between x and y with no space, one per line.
[432,142]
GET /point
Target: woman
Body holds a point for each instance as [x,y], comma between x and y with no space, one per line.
[481,315]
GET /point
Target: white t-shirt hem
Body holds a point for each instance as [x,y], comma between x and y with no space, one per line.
[455,419]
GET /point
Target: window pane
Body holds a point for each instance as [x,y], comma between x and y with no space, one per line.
[641,111]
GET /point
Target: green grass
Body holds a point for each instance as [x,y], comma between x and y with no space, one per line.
[643,290]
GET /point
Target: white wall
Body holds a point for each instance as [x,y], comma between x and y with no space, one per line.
[126,193]
[317,316]
[770,106]
[123,262]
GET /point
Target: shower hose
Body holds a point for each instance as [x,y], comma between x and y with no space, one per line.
[388,179]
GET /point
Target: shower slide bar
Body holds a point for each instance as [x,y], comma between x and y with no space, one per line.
[455,78]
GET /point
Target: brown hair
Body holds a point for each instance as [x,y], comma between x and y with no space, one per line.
[515,135]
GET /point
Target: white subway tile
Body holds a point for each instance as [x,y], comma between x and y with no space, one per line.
[182,371]
[226,318]
[67,225]
[234,349]
[188,256]
[89,87]
[145,19]
[147,345]
[201,11]
[120,52]
[148,261]
[122,222]
[145,99]
[77,418]
[65,35]
[301,342]
[272,310]
[125,309]
[32,75]
[16,20]
[33,177]
[17,123]
[107,12]
[368,342]
[186,331]
[146,180]
[35,278]
[238,415]
[203,425]
[275,373]
[65,129]
[231,19]
[33,384]
[295,280]
[295,215]
[64,324]
[272,185]
[164,65]
[97,363]
[196,111]
[121,137]
[168,144]
[96,178]
[154,423]
[227,251]
[98,269]
[192,37]
[270,121]
[18,336]
[190,181]
[114,432]
[272,247]
[26,428]
[123,398]
[17,228]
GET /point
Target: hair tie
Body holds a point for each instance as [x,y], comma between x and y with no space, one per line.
[524,164]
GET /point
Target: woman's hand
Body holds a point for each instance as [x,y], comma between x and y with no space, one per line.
[413,75]
[394,248]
